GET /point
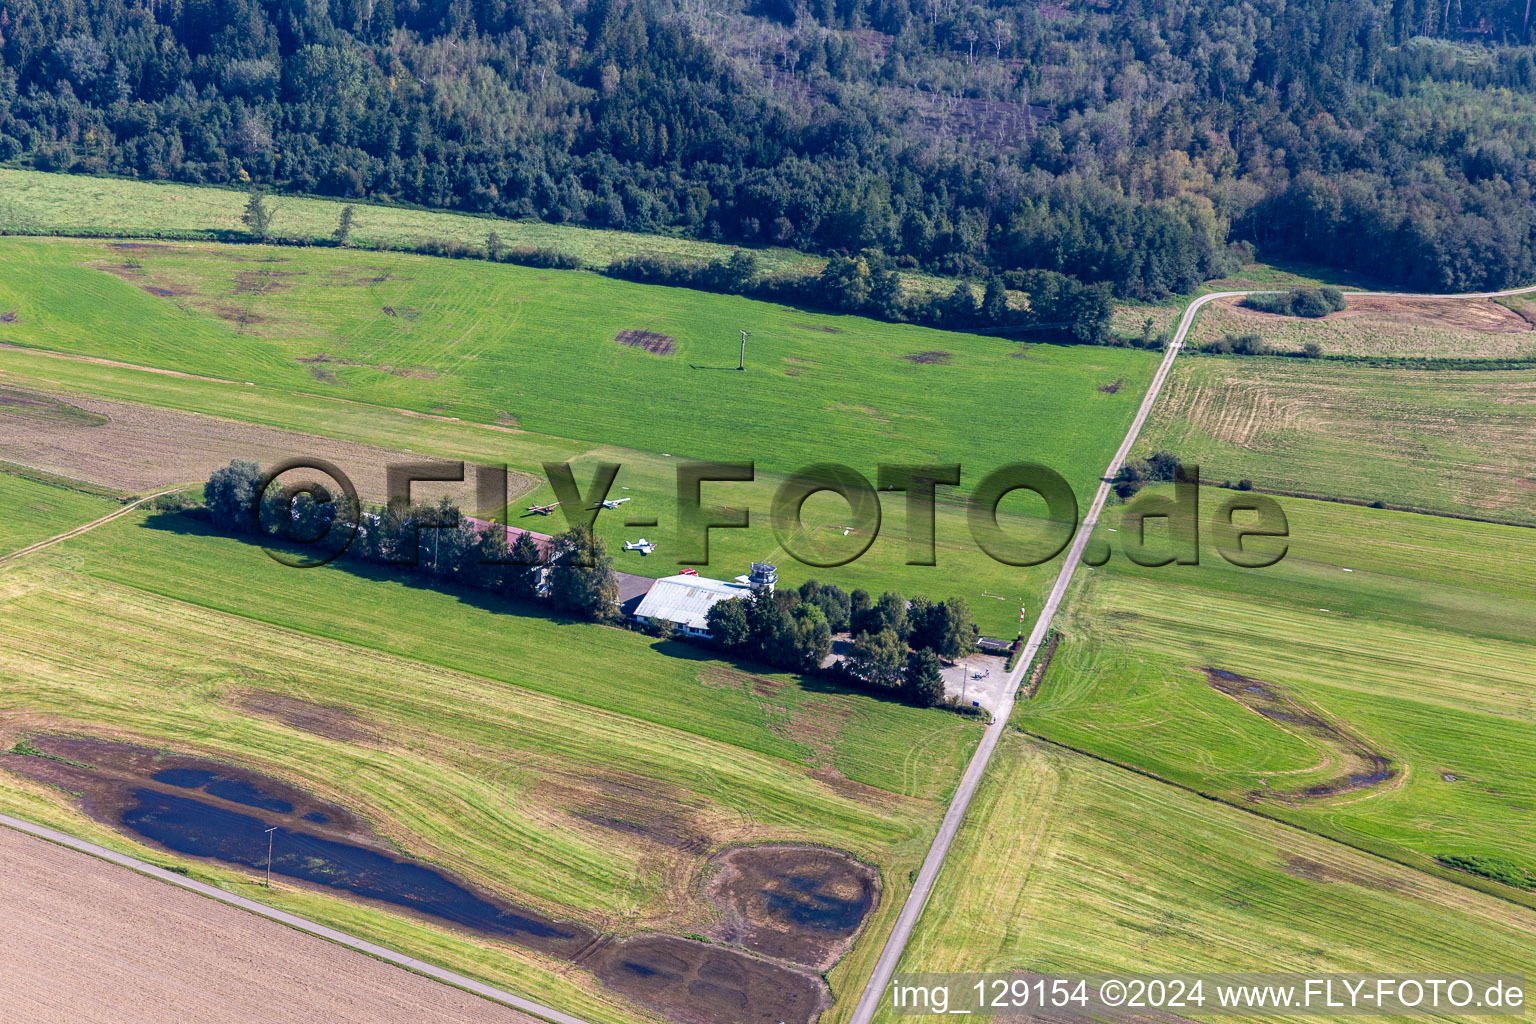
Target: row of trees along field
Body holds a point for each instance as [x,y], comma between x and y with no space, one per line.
[789,628]
[436,542]
[897,644]
[1142,145]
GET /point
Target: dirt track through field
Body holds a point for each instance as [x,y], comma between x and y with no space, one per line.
[139,448]
[163,954]
[77,531]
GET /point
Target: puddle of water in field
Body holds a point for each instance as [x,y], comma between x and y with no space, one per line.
[201,829]
[221,813]
[800,903]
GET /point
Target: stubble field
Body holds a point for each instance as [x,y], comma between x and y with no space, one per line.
[1449,442]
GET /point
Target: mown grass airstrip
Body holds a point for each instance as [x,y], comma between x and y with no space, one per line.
[535,349]
[530,356]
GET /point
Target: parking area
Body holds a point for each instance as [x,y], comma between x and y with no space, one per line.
[979,679]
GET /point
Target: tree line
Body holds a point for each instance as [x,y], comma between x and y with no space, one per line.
[898,646]
[572,574]
[435,542]
[1143,146]
[1046,306]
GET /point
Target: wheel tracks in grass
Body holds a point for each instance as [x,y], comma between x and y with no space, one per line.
[906,922]
[86,528]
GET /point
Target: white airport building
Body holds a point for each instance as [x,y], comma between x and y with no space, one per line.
[686,598]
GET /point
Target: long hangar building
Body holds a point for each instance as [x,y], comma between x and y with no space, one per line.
[687,597]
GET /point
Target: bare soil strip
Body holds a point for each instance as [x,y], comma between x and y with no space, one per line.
[136,448]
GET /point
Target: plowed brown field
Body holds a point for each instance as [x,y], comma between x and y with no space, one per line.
[86,941]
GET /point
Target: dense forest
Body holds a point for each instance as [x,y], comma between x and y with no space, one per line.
[1143,145]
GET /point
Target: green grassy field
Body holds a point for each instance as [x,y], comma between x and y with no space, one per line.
[1067,864]
[37,203]
[487,732]
[305,343]
[31,510]
[1408,636]
[1381,634]
[1459,443]
[994,590]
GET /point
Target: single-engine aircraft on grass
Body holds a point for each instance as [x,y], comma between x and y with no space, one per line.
[611,502]
[642,545]
[543,510]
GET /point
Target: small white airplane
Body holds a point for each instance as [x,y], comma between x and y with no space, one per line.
[642,545]
[612,502]
[543,510]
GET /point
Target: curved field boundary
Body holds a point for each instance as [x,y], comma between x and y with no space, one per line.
[293,921]
[922,887]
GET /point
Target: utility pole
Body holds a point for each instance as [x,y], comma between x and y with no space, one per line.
[269,855]
[742,364]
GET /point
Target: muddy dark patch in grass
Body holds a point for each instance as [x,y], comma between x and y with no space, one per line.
[929,358]
[804,904]
[403,312]
[1317,871]
[697,983]
[261,282]
[217,812]
[9,317]
[136,245]
[1111,389]
[242,318]
[654,343]
[635,820]
[1365,767]
[819,328]
[46,408]
[164,293]
[317,361]
[730,677]
[628,804]
[306,716]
